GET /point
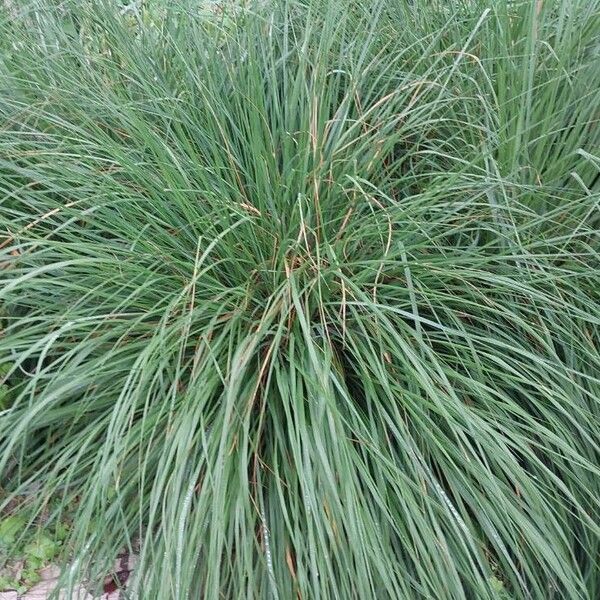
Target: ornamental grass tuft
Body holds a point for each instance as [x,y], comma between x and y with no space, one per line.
[301,299]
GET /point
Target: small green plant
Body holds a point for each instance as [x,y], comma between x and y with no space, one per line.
[25,551]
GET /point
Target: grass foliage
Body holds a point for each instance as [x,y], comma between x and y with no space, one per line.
[301,298]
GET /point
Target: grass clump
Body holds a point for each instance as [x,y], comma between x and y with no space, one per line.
[301,298]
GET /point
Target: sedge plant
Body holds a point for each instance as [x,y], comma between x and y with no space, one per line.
[301,298]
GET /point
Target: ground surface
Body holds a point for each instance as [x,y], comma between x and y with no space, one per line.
[47,585]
